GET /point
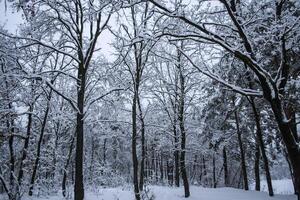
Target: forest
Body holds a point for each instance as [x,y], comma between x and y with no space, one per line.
[145,99]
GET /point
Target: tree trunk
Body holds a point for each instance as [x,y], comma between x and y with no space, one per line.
[25,148]
[152,161]
[64,181]
[161,167]
[262,147]
[104,151]
[225,166]
[183,134]
[170,172]
[39,145]
[10,126]
[156,166]
[143,156]
[133,141]
[79,187]
[243,161]
[214,171]
[204,172]
[176,157]
[256,165]
[292,116]
[288,139]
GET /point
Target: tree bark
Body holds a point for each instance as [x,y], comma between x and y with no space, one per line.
[204,172]
[79,186]
[291,113]
[288,139]
[225,166]
[143,156]
[243,161]
[10,126]
[183,133]
[26,144]
[104,151]
[161,167]
[176,157]
[262,147]
[214,171]
[194,168]
[134,140]
[39,145]
[170,172]
[64,180]
[256,165]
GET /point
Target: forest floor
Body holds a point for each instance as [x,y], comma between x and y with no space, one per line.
[282,188]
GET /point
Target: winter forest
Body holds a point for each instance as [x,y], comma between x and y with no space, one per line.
[150,100]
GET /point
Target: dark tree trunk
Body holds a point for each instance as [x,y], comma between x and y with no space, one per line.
[146,170]
[262,147]
[176,157]
[79,186]
[12,184]
[288,139]
[156,167]
[176,137]
[161,167]
[243,161]
[183,134]
[39,145]
[25,148]
[225,166]
[292,116]
[165,166]
[153,161]
[214,172]
[170,172]
[194,169]
[256,166]
[143,156]
[64,180]
[134,141]
[14,190]
[204,172]
[104,150]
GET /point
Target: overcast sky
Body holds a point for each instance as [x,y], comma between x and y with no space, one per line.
[11,19]
[8,18]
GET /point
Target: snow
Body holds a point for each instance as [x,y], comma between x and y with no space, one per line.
[197,193]
[284,186]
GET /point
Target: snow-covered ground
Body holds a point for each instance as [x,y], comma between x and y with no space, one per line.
[167,193]
[282,188]
[197,193]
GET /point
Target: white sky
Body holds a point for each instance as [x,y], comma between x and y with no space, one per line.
[9,18]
